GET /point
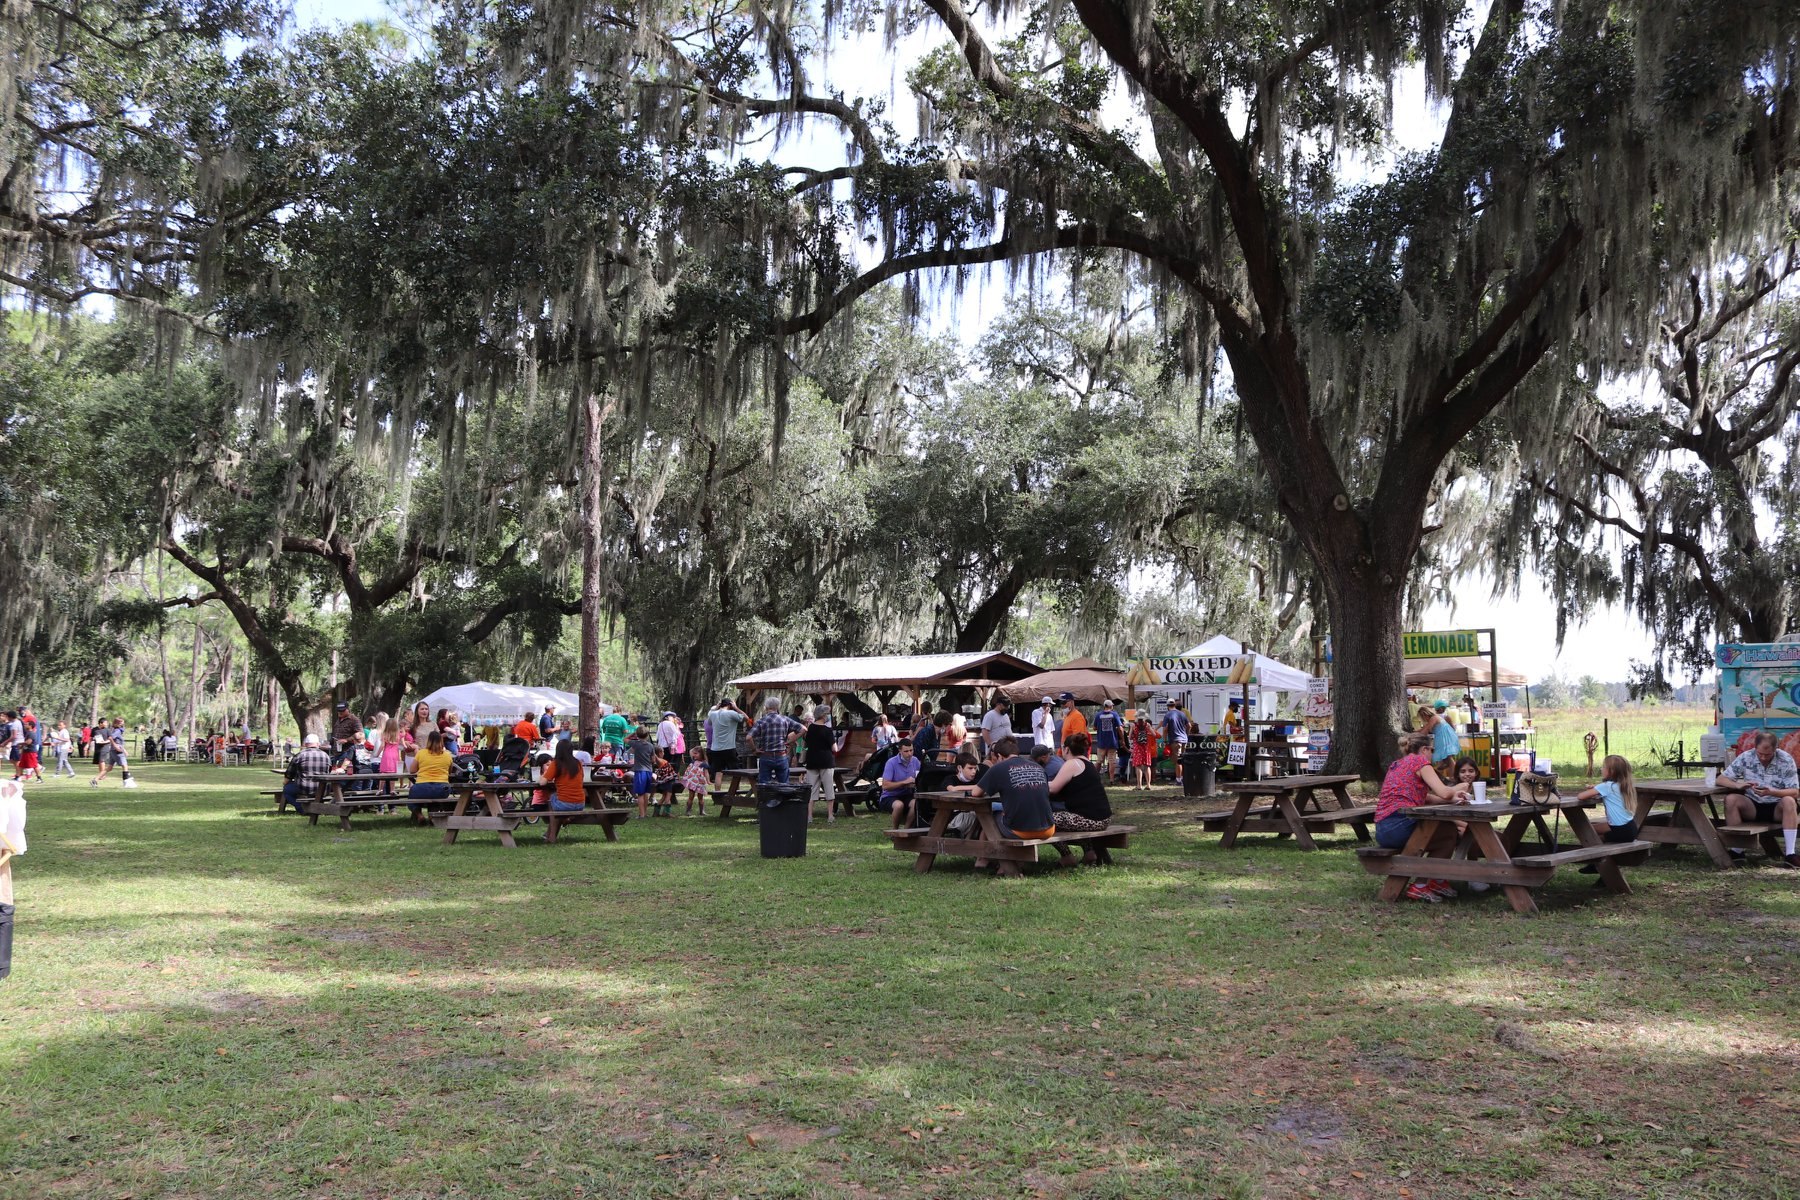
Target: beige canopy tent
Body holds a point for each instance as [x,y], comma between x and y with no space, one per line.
[1088,681]
[1464,673]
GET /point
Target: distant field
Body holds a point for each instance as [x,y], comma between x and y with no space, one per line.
[1646,736]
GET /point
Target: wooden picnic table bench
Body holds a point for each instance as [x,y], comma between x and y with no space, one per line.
[330,799]
[1293,809]
[503,821]
[742,792]
[1482,854]
[990,843]
[1693,819]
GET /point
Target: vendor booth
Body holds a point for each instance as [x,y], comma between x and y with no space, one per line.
[1209,676]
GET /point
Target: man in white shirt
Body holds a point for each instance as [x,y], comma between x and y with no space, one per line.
[667,734]
[1044,724]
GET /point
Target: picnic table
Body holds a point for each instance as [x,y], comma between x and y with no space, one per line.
[331,800]
[498,818]
[1483,854]
[742,778]
[1293,809]
[1694,820]
[988,842]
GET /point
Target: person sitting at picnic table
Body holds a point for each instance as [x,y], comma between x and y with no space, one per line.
[773,736]
[1048,760]
[432,781]
[1078,792]
[1411,780]
[565,779]
[1023,792]
[1618,794]
[312,761]
[1764,786]
[897,777]
[968,770]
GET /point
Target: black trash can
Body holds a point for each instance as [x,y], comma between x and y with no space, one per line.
[6,923]
[1198,764]
[781,819]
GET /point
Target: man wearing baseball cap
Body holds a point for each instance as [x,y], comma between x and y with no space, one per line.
[668,735]
[346,733]
[1073,722]
[311,762]
[1043,723]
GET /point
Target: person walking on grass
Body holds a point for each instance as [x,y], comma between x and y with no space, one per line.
[1764,786]
[60,742]
[820,762]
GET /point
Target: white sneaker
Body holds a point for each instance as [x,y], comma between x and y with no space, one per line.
[1475,885]
[129,783]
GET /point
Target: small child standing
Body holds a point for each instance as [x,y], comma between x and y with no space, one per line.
[696,780]
[664,784]
[1618,794]
[391,750]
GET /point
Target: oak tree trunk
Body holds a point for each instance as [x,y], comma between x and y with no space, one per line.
[593,497]
[1369,688]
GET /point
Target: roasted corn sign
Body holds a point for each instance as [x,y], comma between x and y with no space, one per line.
[1448,643]
[1206,670]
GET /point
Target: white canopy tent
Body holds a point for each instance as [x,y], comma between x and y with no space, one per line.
[503,703]
[1206,705]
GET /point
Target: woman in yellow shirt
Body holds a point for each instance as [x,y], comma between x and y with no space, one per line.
[431,780]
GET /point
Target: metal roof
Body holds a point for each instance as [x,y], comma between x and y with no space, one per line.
[888,671]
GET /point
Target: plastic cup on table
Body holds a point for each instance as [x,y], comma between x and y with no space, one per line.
[1712,777]
[1480,792]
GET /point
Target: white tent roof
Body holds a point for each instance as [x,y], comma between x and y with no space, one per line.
[1271,676]
[887,670]
[502,703]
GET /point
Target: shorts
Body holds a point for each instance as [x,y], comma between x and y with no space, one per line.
[722,760]
[429,791]
[1625,831]
[640,781]
[105,756]
[1393,831]
[1767,811]
[559,805]
[1033,834]
[28,760]
[886,800]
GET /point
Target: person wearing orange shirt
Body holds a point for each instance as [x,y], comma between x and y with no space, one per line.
[526,728]
[1073,722]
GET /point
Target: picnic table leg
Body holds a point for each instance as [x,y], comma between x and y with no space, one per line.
[1238,813]
[940,824]
[1491,849]
[343,813]
[606,827]
[1292,812]
[1006,868]
[1708,833]
[1341,793]
[551,826]
[1610,875]
[496,809]
[1422,834]
[461,809]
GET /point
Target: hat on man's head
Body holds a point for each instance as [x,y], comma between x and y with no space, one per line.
[668,712]
[311,739]
[1106,704]
[1066,696]
[1047,700]
[342,706]
[1440,706]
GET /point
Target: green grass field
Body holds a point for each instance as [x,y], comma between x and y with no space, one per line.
[1646,736]
[208,1000]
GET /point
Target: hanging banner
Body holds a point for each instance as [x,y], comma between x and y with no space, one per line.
[1447,643]
[1207,670]
[1759,688]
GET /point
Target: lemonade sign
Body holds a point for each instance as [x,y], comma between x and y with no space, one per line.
[1448,643]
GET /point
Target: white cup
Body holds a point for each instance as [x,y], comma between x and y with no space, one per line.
[1480,793]
[1712,776]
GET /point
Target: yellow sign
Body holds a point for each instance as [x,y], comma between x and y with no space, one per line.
[1449,643]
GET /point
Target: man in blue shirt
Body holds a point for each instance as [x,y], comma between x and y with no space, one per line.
[897,778]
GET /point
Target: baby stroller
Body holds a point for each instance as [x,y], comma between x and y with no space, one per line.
[867,780]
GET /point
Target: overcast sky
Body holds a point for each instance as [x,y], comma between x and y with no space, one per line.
[1525,625]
